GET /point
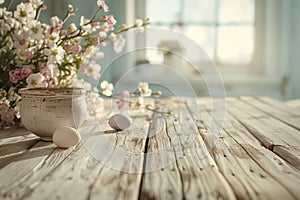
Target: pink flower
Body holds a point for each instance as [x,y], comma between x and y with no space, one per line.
[67,47]
[124,99]
[25,71]
[121,104]
[4,124]
[29,54]
[15,75]
[63,32]
[54,30]
[46,71]
[7,118]
[97,40]
[102,4]
[76,48]
[111,21]
[96,25]
[9,115]
[50,84]
[22,42]
[125,95]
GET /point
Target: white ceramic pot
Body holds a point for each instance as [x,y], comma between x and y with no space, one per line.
[43,110]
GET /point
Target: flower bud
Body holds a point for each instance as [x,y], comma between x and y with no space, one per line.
[139,23]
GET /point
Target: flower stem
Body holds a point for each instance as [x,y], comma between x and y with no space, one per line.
[10,4]
[95,15]
[38,11]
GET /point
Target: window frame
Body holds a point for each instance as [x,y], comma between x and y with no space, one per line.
[266,14]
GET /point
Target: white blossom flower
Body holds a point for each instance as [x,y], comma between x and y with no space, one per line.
[72,27]
[139,103]
[107,88]
[139,23]
[3,94]
[36,3]
[24,12]
[113,37]
[3,107]
[102,5]
[111,21]
[95,26]
[55,54]
[21,53]
[104,44]
[123,27]
[85,25]
[94,53]
[71,9]
[95,104]
[92,69]
[21,38]
[35,30]
[102,34]
[55,51]
[35,80]
[81,83]
[144,89]
[104,27]
[52,37]
[55,22]
[119,43]
[6,20]
[8,115]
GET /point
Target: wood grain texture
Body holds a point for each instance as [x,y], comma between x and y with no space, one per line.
[250,152]
[270,128]
[239,156]
[194,174]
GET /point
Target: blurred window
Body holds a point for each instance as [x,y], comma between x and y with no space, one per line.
[224,28]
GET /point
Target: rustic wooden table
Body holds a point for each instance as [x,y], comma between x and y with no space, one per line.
[255,156]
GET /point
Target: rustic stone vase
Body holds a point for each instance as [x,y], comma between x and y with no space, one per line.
[43,110]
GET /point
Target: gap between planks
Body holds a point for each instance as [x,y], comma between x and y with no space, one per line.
[272,166]
[276,135]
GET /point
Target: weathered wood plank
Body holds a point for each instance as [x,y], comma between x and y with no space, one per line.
[86,177]
[123,173]
[14,143]
[14,135]
[276,110]
[202,176]
[69,180]
[10,149]
[190,162]
[237,165]
[163,179]
[268,108]
[244,111]
[274,104]
[35,177]
[239,155]
[72,179]
[273,133]
[6,132]
[194,174]
[23,165]
[271,163]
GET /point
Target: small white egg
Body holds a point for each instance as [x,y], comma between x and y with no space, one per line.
[66,137]
[120,122]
